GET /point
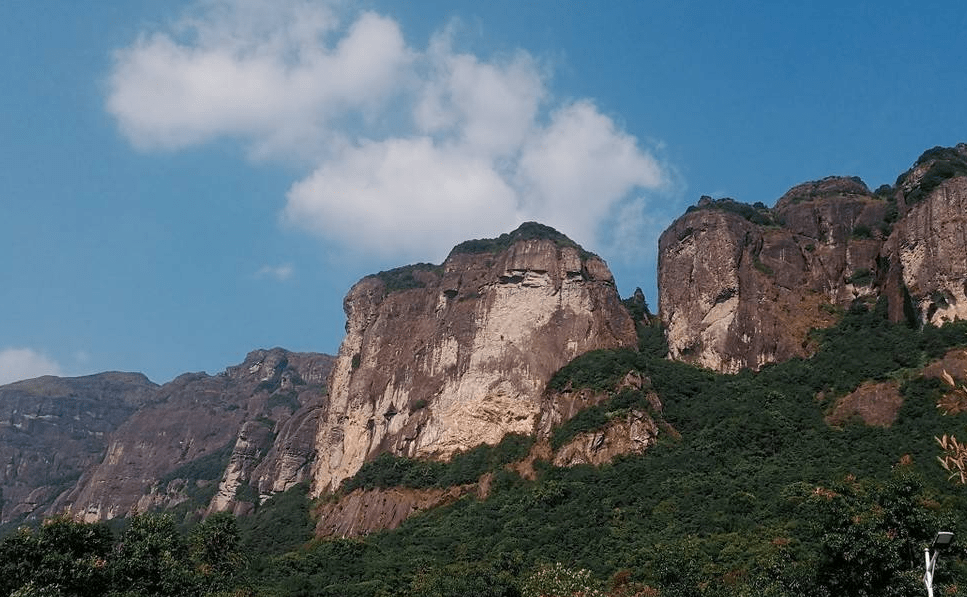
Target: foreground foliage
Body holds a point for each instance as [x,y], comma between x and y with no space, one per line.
[758,495]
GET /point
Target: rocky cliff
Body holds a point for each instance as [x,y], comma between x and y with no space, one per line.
[741,285]
[438,359]
[210,441]
[52,429]
[927,251]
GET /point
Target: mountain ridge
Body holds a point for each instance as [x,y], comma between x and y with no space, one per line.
[441,358]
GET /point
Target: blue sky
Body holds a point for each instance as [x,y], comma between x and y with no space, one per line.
[185,181]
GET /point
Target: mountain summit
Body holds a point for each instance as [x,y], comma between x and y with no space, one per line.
[742,285]
[438,359]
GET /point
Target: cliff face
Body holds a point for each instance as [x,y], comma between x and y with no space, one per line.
[740,286]
[52,429]
[440,359]
[927,251]
[214,440]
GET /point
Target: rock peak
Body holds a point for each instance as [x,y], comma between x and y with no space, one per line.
[741,286]
[826,188]
[526,231]
[439,359]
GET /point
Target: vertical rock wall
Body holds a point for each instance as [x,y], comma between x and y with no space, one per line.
[741,286]
[440,359]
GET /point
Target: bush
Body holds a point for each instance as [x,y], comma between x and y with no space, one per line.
[526,231]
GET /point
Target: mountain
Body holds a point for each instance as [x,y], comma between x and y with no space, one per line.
[211,441]
[803,428]
[112,444]
[54,429]
[439,359]
[741,286]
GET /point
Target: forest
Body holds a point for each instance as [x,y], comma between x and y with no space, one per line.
[750,492]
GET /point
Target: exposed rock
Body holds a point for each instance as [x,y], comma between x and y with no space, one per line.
[438,359]
[632,433]
[52,429]
[364,511]
[741,286]
[876,404]
[954,363]
[201,437]
[928,248]
[734,295]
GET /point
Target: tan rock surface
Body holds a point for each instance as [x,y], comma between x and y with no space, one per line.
[876,404]
[364,511]
[228,421]
[462,356]
[740,287]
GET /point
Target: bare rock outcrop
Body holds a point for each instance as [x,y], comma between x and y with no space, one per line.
[740,286]
[438,359]
[364,511]
[927,250]
[628,430]
[734,293]
[202,438]
[875,403]
[52,429]
[632,433]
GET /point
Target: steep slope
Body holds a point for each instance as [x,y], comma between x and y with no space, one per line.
[438,359]
[202,439]
[52,429]
[927,250]
[740,286]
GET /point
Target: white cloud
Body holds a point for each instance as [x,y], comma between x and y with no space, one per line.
[579,168]
[278,272]
[24,363]
[257,70]
[413,150]
[487,108]
[403,196]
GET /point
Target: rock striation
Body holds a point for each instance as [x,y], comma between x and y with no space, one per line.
[216,442]
[438,359]
[927,251]
[740,286]
[52,429]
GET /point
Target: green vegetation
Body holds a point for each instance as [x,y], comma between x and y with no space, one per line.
[407,277]
[861,277]
[597,416]
[757,213]
[762,267]
[755,495]
[526,231]
[758,497]
[637,306]
[285,398]
[388,470]
[947,162]
[150,557]
[204,468]
[280,524]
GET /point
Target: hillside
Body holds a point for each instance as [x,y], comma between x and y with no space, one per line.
[757,494]
[502,424]
[742,285]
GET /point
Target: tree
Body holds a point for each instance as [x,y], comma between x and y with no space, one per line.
[62,557]
[872,536]
[216,549]
[152,558]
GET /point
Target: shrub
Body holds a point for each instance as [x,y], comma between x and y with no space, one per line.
[526,231]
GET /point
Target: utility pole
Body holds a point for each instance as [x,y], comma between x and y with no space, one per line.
[941,541]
